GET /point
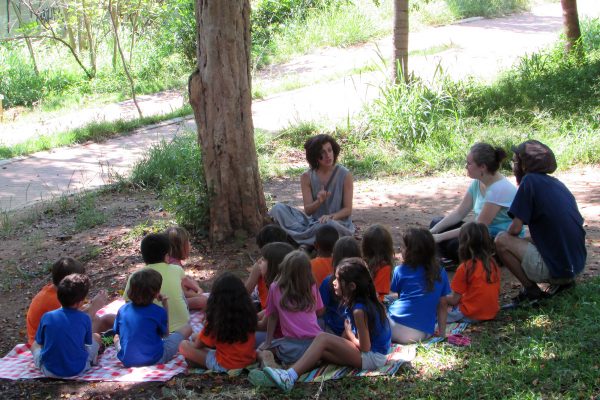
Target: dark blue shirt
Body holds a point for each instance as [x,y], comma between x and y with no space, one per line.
[380,335]
[334,314]
[140,330]
[63,334]
[416,307]
[555,224]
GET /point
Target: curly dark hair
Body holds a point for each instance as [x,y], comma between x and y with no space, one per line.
[314,145]
[486,154]
[419,252]
[355,270]
[72,289]
[65,266]
[230,314]
[475,243]
[144,285]
[378,248]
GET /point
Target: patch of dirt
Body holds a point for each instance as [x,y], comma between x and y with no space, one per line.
[32,242]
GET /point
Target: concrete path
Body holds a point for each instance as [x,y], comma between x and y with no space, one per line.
[480,48]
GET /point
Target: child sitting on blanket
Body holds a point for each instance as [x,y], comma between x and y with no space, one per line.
[179,250]
[422,287]
[366,340]
[141,325]
[47,299]
[227,340]
[476,284]
[293,302]
[155,252]
[333,319]
[322,265]
[268,234]
[64,344]
[378,252]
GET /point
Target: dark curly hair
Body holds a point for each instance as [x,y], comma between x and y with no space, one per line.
[144,285]
[230,314]
[355,270]
[72,289]
[419,251]
[486,154]
[378,248]
[314,145]
[475,243]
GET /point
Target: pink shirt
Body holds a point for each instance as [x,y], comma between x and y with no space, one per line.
[294,324]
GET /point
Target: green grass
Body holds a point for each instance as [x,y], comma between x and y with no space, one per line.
[548,352]
[94,131]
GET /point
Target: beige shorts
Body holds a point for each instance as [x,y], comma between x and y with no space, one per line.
[536,269]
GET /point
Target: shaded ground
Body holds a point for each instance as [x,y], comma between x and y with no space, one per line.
[110,250]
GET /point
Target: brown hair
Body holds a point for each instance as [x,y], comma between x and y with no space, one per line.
[345,247]
[295,282]
[144,285]
[475,243]
[65,266]
[72,289]
[486,154]
[377,248]
[419,252]
[178,238]
[274,253]
[314,145]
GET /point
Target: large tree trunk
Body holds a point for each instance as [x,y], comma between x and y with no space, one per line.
[220,95]
[401,40]
[571,23]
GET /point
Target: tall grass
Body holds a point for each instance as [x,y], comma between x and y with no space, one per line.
[440,12]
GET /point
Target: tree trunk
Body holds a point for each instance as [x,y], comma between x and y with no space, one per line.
[220,95]
[571,23]
[400,40]
[27,38]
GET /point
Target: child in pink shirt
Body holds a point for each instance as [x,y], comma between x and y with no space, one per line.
[294,302]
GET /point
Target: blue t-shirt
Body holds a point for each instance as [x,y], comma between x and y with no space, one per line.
[334,315]
[140,329]
[415,306]
[63,334]
[381,335]
[556,226]
[501,193]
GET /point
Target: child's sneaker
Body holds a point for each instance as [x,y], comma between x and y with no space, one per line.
[258,378]
[281,378]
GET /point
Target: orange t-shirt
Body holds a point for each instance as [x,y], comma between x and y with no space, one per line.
[46,300]
[232,355]
[321,267]
[263,291]
[382,281]
[479,299]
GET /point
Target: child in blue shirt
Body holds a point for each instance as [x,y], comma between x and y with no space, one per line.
[141,324]
[64,345]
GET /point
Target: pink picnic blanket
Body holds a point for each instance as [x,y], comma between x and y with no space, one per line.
[18,363]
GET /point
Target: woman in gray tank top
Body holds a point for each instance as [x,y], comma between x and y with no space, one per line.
[327,190]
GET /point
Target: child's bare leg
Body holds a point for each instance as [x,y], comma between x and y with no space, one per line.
[198,302]
[185,331]
[330,348]
[192,353]
[103,323]
[266,358]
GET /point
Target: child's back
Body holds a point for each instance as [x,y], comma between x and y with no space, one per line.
[479,298]
[321,267]
[334,314]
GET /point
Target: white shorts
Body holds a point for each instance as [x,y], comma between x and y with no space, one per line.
[372,360]
[536,269]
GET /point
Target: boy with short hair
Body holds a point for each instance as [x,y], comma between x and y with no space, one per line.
[47,300]
[141,324]
[322,264]
[155,252]
[64,345]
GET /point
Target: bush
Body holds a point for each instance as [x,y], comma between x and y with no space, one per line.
[175,170]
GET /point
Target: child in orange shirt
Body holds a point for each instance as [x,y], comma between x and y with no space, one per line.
[322,264]
[476,283]
[228,338]
[378,252]
[179,250]
[47,299]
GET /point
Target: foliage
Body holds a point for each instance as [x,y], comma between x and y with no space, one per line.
[438,12]
[175,170]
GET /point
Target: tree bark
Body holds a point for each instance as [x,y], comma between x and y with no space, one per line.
[571,23]
[220,94]
[400,40]
[27,38]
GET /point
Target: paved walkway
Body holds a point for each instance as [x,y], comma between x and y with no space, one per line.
[480,48]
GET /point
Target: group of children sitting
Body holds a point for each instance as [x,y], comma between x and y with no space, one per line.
[330,308]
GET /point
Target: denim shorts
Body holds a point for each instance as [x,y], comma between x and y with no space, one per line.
[212,363]
[170,346]
[372,360]
[289,350]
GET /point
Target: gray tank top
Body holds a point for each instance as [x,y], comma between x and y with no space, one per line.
[335,186]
